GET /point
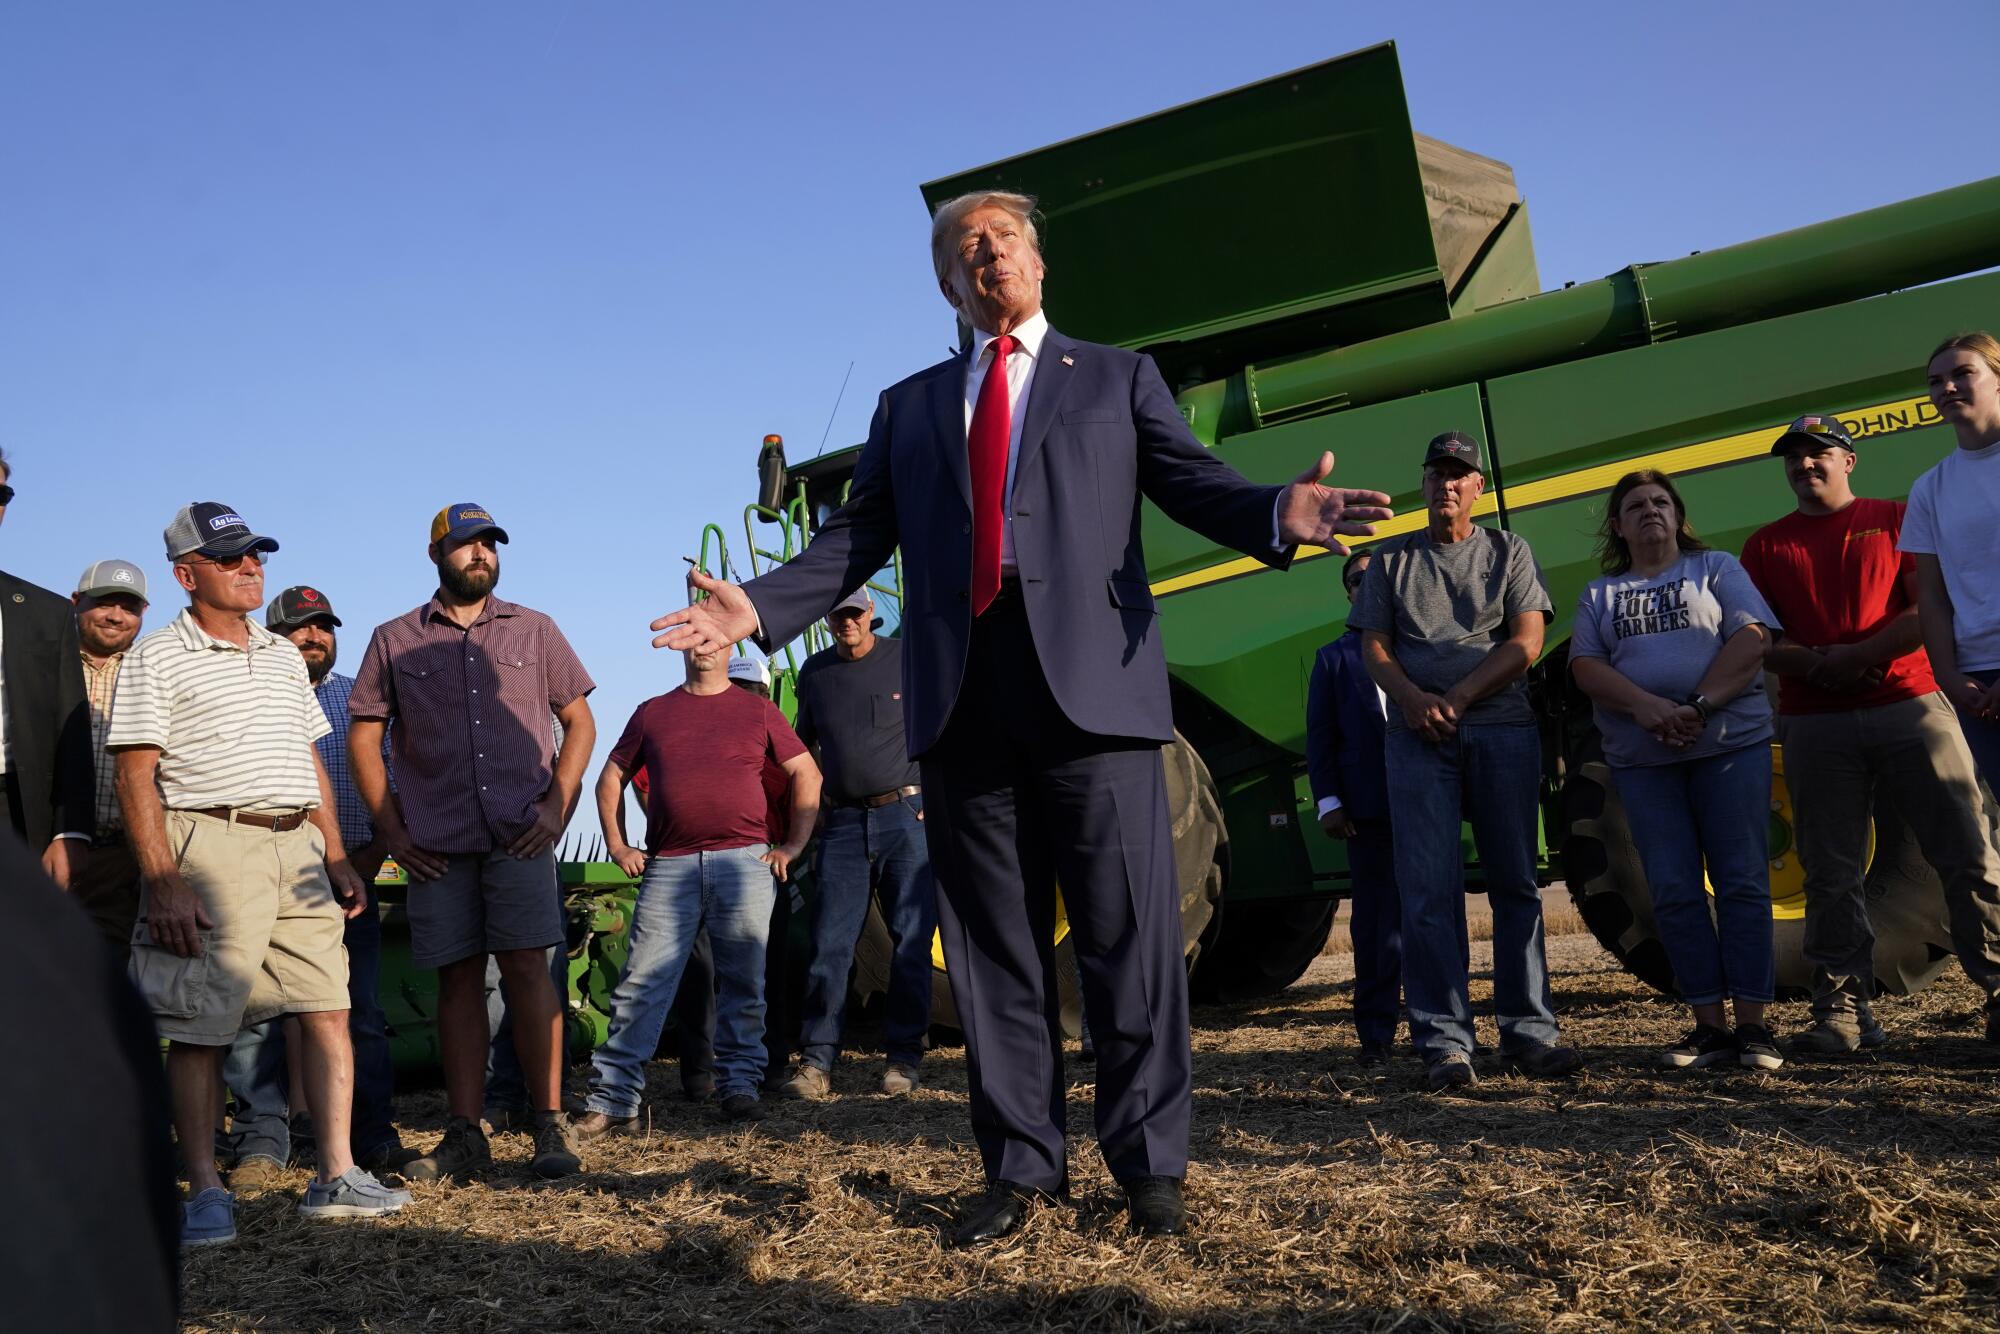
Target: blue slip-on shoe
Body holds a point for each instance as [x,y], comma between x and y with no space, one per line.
[209,1219]
[352,1194]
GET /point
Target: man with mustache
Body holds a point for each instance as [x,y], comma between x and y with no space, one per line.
[480,799]
[1861,714]
[110,602]
[243,908]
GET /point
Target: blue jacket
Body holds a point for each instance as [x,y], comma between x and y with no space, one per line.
[1101,431]
[1344,732]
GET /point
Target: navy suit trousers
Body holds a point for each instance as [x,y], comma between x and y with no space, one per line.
[1017,799]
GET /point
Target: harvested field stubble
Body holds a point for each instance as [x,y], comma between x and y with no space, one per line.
[1835,1194]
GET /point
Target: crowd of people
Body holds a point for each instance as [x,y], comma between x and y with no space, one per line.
[1876,618]
[219,799]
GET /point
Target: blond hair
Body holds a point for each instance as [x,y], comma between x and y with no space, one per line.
[945,222]
[1976,341]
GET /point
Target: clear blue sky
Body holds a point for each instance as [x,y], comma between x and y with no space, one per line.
[340,264]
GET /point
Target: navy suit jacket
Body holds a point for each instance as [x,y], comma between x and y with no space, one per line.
[1101,431]
[1344,732]
[48,713]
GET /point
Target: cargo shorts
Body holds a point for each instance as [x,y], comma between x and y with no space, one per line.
[277,943]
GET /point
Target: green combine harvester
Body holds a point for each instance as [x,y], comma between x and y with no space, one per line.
[1343,283]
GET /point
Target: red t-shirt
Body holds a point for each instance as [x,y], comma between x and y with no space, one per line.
[1837,579]
[776,783]
[705,756]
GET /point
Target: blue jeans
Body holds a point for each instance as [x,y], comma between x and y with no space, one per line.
[368,1028]
[1716,810]
[731,893]
[506,1082]
[1375,921]
[879,851]
[1982,737]
[1490,776]
[256,1075]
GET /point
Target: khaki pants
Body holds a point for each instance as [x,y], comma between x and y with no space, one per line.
[107,887]
[1834,764]
[277,944]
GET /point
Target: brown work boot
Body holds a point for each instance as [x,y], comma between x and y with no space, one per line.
[1834,1035]
[901,1080]
[256,1173]
[462,1153]
[555,1156]
[807,1081]
[587,1126]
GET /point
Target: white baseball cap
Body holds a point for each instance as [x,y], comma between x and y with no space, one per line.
[746,668]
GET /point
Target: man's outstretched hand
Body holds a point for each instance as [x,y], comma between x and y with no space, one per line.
[1320,516]
[712,626]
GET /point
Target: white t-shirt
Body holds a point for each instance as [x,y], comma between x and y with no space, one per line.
[1954,515]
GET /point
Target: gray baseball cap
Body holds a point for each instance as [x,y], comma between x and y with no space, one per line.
[858,600]
[213,529]
[112,576]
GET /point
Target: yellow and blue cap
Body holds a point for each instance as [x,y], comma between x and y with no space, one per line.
[463,522]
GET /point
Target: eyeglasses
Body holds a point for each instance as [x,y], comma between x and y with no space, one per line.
[234,562]
[6,494]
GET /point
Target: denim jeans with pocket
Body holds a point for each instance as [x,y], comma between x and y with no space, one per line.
[731,892]
[877,852]
[1712,812]
[1488,775]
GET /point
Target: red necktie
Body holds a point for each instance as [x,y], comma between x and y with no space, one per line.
[986,451]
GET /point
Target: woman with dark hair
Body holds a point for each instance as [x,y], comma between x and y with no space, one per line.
[1669,645]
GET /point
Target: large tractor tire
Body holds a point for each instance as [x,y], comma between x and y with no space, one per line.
[1266,947]
[1608,885]
[1201,860]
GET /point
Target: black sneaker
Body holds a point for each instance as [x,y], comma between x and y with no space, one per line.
[743,1107]
[1756,1049]
[460,1154]
[555,1156]
[1546,1060]
[1372,1053]
[1703,1045]
[387,1158]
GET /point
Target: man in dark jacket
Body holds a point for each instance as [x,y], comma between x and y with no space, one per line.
[1346,720]
[47,779]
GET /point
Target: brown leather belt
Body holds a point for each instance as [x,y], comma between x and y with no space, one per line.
[255,819]
[887,798]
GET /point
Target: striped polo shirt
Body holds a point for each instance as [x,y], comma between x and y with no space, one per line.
[234,726]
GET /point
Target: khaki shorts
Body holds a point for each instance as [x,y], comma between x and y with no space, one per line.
[277,943]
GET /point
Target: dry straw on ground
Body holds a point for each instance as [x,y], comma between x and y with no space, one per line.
[1834,1194]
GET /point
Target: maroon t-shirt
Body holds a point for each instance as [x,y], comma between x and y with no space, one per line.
[704,756]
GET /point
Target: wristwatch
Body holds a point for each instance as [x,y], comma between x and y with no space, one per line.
[1699,703]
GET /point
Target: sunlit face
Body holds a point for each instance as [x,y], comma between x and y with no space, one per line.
[107,623]
[317,645]
[1964,389]
[1647,515]
[1451,489]
[995,274]
[1818,471]
[468,570]
[235,583]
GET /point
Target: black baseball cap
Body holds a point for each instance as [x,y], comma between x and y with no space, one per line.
[1818,430]
[296,606]
[212,529]
[1456,445]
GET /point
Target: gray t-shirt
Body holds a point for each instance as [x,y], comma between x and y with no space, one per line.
[1444,607]
[1661,632]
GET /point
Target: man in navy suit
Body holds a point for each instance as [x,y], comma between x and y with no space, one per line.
[1035,693]
[1346,723]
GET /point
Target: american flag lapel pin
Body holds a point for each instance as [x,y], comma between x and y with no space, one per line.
[1068,360]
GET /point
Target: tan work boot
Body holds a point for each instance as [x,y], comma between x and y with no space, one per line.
[808,1081]
[901,1080]
[256,1173]
[1831,1036]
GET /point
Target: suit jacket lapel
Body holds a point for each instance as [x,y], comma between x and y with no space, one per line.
[947,395]
[1052,377]
[13,639]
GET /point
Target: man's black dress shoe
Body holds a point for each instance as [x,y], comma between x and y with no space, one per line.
[1157,1207]
[996,1213]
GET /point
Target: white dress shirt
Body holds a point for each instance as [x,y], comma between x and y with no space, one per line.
[1021,365]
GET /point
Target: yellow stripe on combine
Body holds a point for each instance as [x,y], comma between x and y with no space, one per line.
[1887,419]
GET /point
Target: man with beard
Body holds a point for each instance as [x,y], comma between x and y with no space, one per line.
[247,882]
[480,799]
[110,601]
[708,862]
